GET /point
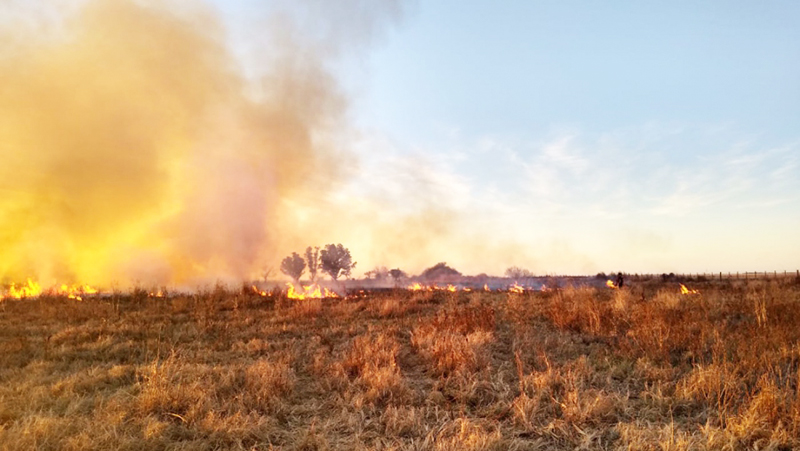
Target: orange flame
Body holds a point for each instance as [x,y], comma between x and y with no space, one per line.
[32,289]
[416,286]
[309,292]
[610,284]
[29,290]
[259,292]
[516,288]
[76,292]
[486,287]
[685,290]
[451,288]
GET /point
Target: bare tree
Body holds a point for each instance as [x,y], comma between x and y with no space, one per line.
[293,266]
[312,258]
[266,272]
[335,260]
[379,273]
[515,272]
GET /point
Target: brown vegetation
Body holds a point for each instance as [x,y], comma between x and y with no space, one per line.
[640,368]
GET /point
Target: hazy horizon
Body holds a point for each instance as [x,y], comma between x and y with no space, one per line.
[189,141]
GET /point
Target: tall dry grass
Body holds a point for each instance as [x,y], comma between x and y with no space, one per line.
[575,368]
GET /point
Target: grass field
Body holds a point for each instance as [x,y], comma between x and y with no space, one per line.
[640,368]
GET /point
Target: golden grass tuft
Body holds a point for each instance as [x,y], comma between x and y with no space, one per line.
[305,308]
[372,362]
[467,435]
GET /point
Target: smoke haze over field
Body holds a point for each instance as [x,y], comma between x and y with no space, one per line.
[131,152]
[183,142]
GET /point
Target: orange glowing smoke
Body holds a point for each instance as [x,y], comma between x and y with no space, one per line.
[309,292]
[685,290]
[133,147]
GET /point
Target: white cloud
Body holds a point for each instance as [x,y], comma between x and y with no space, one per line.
[647,198]
[407,181]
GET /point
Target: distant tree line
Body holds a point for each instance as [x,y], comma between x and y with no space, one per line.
[336,261]
[333,259]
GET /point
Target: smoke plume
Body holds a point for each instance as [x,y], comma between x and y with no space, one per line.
[133,148]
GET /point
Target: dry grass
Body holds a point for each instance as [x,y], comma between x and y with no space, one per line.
[577,368]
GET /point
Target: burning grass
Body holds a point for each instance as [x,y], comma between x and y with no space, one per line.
[644,367]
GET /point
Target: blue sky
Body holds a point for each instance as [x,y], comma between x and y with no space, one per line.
[528,66]
[566,136]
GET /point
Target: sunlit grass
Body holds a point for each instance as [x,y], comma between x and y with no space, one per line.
[640,368]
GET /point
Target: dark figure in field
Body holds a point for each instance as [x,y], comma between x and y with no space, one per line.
[620,280]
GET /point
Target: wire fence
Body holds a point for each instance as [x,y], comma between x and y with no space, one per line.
[748,275]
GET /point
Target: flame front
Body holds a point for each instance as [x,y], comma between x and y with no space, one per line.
[610,284]
[685,290]
[76,292]
[29,290]
[516,288]
[309,292]
[32,289]
[416,287]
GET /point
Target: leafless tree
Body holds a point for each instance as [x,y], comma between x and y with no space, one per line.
[379,273]
[312,259]
[515,272]
[266,273]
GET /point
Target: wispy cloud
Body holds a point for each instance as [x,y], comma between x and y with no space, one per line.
[640,196]
[743,175]
[407,180]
